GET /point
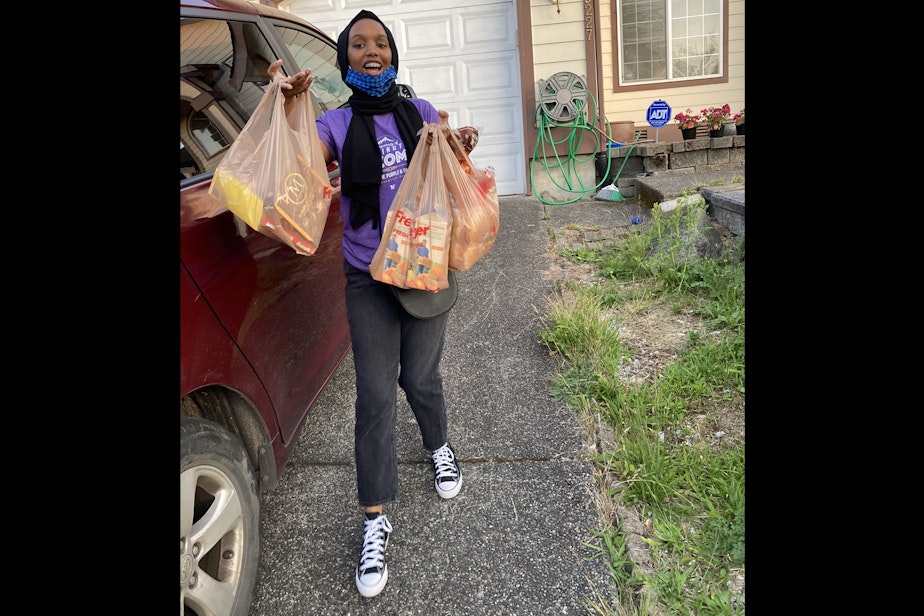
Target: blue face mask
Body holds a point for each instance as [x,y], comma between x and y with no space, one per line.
[373,86]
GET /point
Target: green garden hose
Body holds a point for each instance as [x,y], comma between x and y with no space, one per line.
[568,167]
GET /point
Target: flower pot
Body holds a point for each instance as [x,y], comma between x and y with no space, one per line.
[715,132]
[728,129]
[688,133]
[739,129]
[623,131]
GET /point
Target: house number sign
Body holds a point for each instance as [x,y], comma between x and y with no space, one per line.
[589,19]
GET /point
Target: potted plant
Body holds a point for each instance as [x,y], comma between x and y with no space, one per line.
[715,118]
[687,122]
[739,122]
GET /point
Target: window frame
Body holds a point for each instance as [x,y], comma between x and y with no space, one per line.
[206,134]
[615,25]
[328,88]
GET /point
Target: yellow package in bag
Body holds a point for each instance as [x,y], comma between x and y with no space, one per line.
[274,177]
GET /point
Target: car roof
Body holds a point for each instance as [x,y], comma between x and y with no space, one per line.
[242,6]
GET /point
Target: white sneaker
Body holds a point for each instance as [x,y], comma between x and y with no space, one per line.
[448,475]
[372,572]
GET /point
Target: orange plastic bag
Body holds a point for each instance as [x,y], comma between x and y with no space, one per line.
[414,249]
[474,204]
[274,176]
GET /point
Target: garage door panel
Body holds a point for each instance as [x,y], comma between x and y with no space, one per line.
[427,35]
[487,29]
[496,120]
[490,76]
[316,6]
[456,34]
[354,6]
[473,78]
[439,82]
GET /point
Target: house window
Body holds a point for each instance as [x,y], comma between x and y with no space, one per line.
[670,42]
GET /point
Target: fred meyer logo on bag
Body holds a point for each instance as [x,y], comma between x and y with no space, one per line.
[416,251]
[412,232]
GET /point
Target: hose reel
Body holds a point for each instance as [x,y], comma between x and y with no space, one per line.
[562,97]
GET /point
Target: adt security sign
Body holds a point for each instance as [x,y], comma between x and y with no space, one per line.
[659,113]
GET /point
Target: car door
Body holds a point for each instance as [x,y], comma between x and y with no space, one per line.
[285,312]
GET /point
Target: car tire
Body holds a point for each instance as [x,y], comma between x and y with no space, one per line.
[219,521]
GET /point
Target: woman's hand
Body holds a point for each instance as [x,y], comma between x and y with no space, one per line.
[294,85]
[443,124]
[467,135]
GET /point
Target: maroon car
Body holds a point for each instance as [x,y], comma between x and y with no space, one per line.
[262,329]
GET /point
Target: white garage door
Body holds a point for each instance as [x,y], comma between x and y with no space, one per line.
[462,57]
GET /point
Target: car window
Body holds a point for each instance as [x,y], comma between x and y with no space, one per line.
[328,87]
[223,76]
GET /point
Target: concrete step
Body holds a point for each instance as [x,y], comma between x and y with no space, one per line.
[660,186]
[726,205]
[722,189]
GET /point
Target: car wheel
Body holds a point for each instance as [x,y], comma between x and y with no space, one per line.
[219,521]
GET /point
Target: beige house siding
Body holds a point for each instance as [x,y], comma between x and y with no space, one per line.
[558,39]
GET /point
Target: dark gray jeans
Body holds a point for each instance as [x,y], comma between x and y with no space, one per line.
[390,348]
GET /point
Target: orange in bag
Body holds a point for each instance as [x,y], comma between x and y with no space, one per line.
[474,203]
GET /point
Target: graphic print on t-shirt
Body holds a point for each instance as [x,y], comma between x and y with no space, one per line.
[394,161]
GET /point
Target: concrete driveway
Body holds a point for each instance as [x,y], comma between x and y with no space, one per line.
[516,541]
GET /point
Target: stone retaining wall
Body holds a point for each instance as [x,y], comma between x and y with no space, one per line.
[701,155]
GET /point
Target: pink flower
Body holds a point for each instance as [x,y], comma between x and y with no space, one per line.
[715,117]
[687,119]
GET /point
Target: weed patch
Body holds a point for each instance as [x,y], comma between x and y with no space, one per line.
[655,351]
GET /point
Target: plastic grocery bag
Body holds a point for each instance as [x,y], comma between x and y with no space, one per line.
[415,243]
[474,204]
[274,176]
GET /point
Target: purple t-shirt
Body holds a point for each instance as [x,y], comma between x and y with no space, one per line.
[359,245]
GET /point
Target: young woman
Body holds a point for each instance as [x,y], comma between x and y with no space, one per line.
[373,141]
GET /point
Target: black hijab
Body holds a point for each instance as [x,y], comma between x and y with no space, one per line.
[361,173]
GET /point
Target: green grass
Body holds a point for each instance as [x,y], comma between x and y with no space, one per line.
[665,460]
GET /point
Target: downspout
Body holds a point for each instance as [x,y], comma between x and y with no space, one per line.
[594,59]
[594,55]
[527,82]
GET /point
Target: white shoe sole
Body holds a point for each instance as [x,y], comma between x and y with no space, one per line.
[371,591]
[447,494]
